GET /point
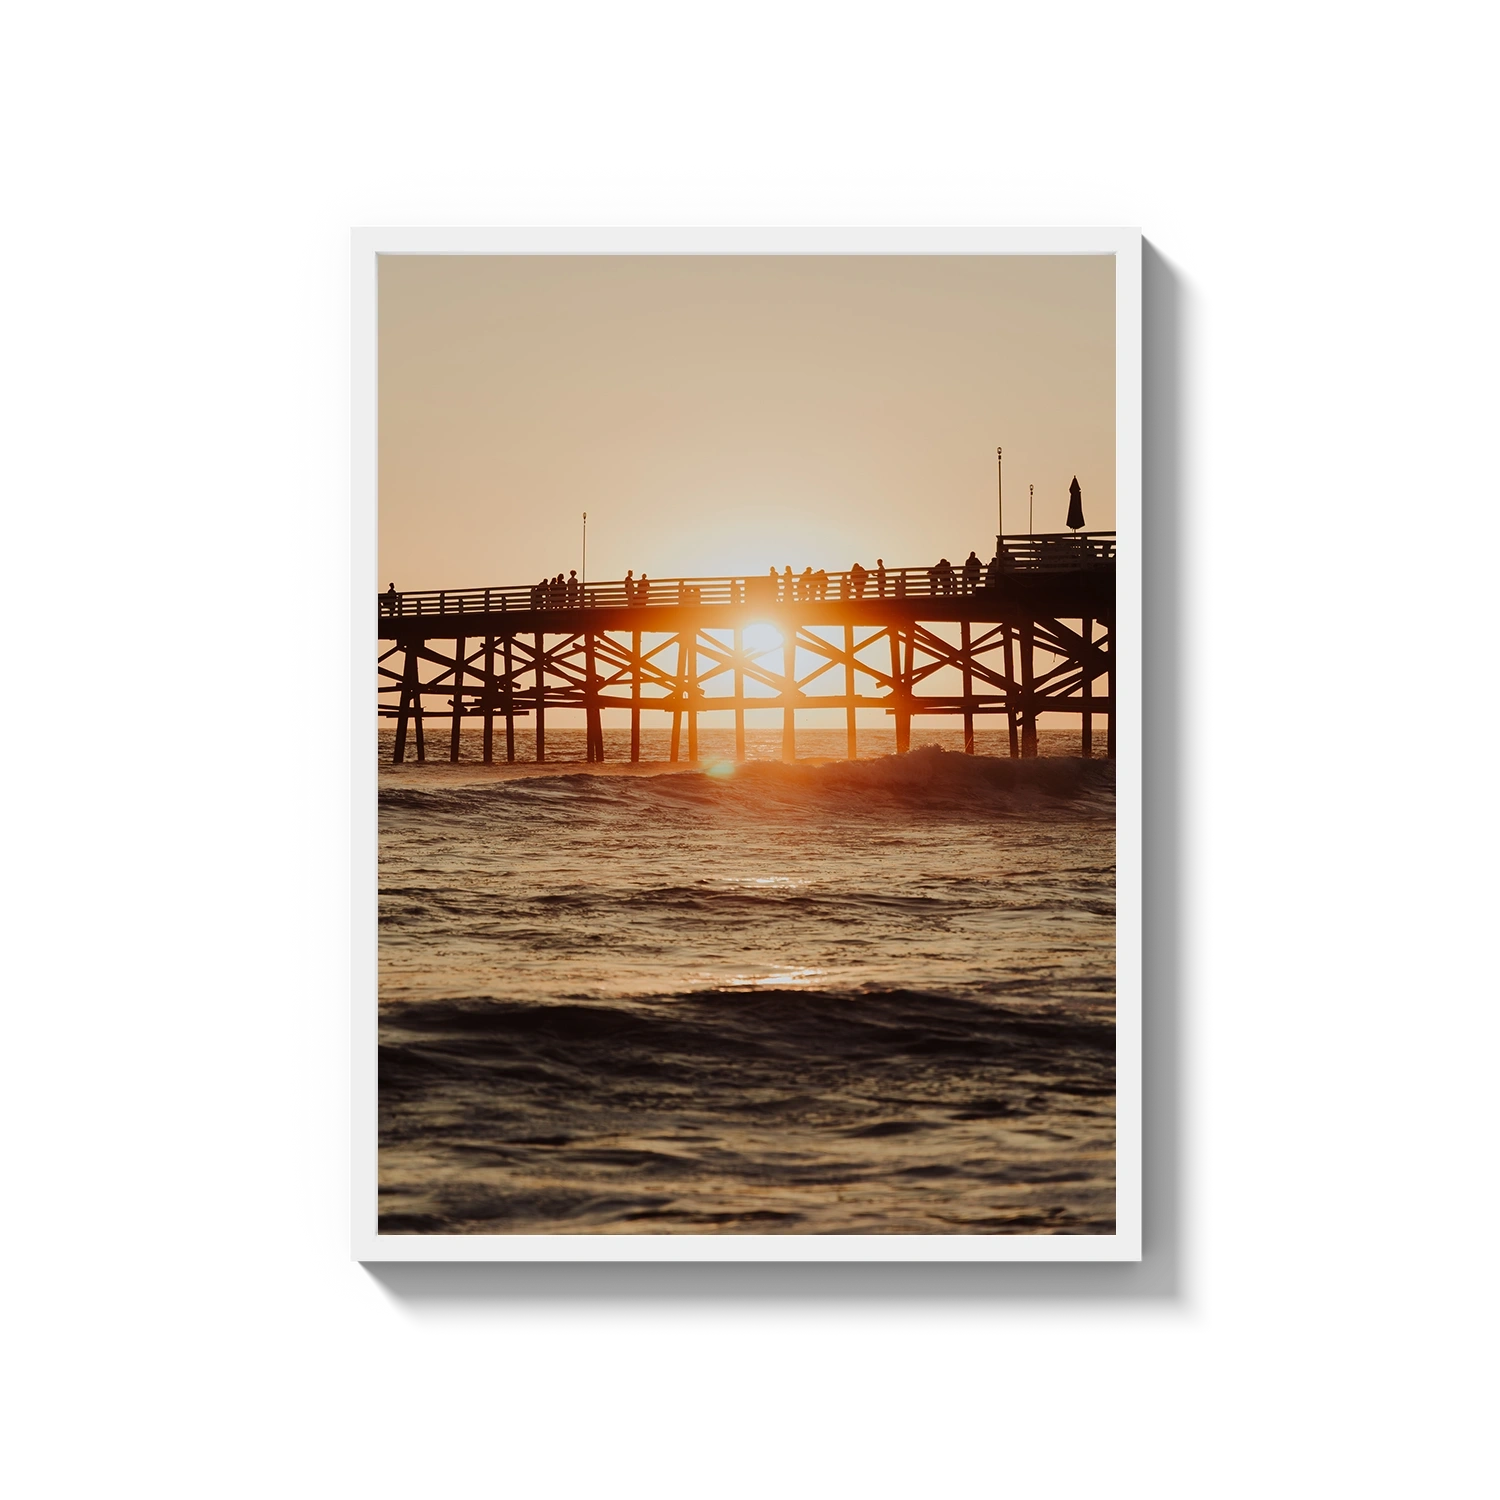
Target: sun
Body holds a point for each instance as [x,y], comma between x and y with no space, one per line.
[760,638]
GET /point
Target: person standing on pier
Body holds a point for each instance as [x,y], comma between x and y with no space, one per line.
[390,600]
[786,587]
[857,575]
[643,590]
[972,569]
[575,590]
[630,585]
[880,576]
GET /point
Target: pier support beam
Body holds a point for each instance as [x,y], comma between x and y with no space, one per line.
[593,725]
[898,696]
[460,647]
[635,697]
[541,699]
[1028,689]
[849,692]
[510,704]
[692,696]
[1086,733]
[789,714]
[739,693]
[408,694]
[489,700]
[1010,694]
[1109,687]
[678,690]
[968,660]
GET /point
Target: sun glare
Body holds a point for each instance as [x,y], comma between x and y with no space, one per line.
[761,637]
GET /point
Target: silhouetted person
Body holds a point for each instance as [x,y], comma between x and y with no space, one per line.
[880,576]
[992,576]
[630,585]
[786,587]
[643,590]
[805,585]
[574,590]
[972,569]
[944,572]
[857,575]
[390,600]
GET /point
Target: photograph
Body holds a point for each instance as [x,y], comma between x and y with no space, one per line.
[747,720]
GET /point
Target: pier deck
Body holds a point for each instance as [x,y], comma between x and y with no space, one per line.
[688,646]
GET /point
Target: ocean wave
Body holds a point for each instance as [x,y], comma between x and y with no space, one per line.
[737,1027]
[928,779]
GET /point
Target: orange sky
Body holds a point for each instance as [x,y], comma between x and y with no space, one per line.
[718,414]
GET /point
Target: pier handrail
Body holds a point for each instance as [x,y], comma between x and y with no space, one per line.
[1051,552]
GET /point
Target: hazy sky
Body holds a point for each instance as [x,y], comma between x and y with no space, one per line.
[719,414]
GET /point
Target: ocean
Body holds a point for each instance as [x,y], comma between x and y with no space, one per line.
[870,997]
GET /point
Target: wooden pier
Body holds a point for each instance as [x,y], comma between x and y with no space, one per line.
[1035,635]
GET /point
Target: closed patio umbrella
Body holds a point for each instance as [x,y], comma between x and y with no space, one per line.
[1075,505]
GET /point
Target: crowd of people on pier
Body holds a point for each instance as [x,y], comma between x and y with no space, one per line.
[567,591]
[786,587]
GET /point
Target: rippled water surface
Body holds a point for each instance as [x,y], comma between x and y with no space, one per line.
[824,998]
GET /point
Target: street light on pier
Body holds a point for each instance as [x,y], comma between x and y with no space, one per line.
[1000,498]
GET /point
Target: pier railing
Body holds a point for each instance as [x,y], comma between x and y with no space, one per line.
[1049,553]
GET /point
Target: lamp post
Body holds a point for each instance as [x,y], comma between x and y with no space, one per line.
[1000,498]
[585,571]
[1031,511]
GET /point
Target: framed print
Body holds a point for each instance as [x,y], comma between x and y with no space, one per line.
[747,745]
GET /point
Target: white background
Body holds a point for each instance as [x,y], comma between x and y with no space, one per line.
[1315,1314]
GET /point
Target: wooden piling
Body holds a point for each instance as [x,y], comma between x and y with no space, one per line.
[635,697]
[489,700]
[849,691]
[966,652]
[1010,695]
[460,647]
[593,733]
[789,669]
[1109,687]
[739,692]
[510,703]
[403,713]
[1028,689]
[678,685]
[1086,730]
[541,698]
[898,696]
[691,694]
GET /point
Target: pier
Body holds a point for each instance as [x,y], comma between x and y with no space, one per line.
[1034,635]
